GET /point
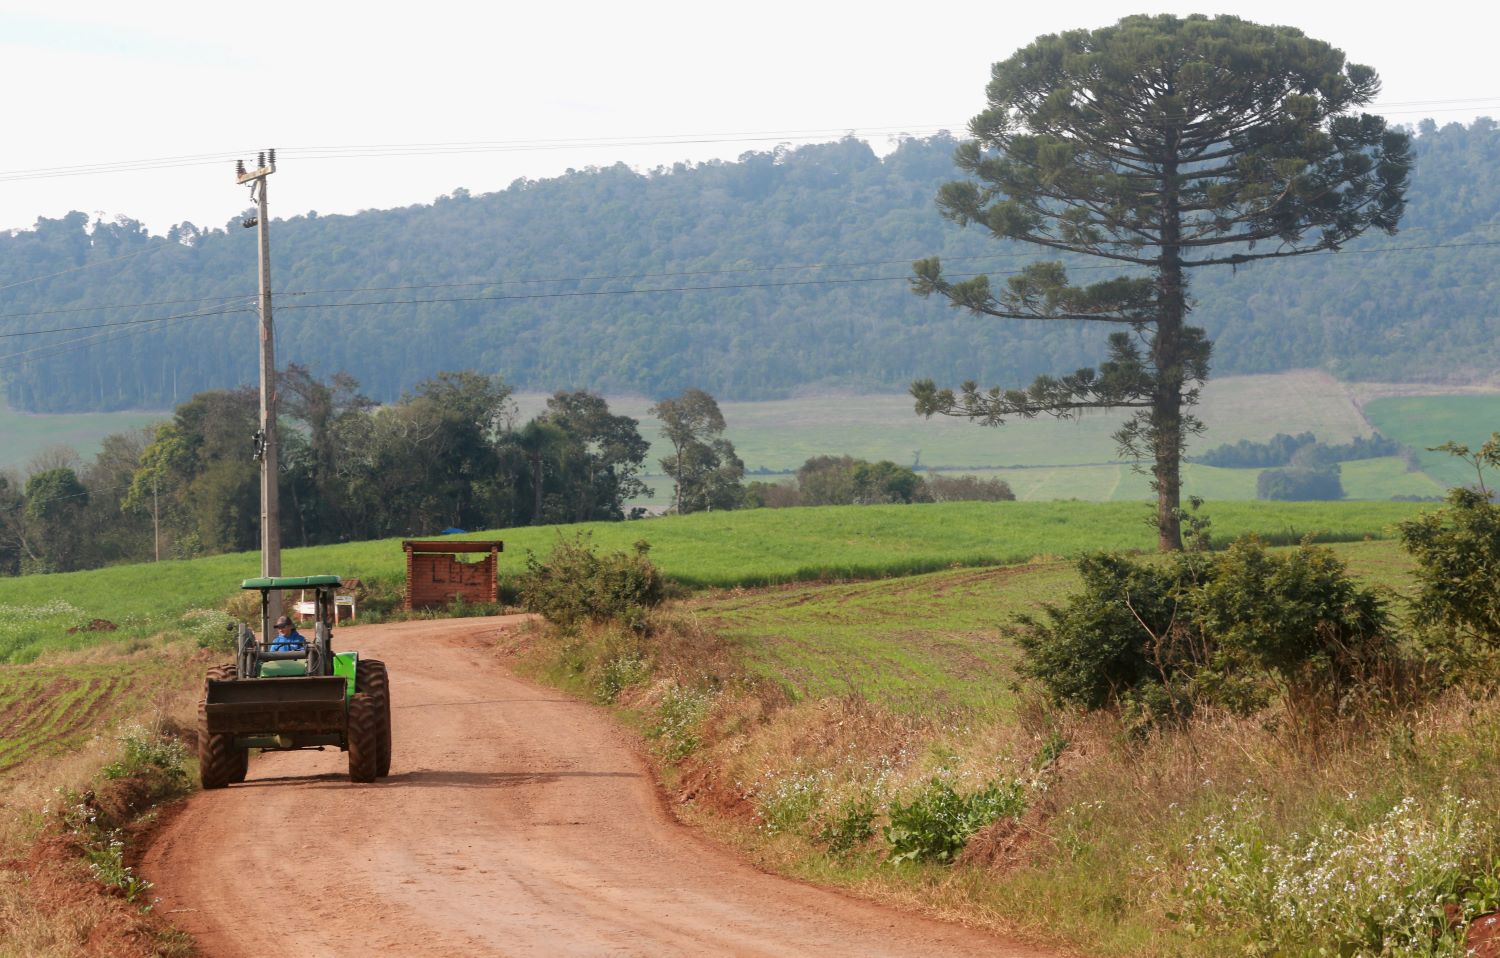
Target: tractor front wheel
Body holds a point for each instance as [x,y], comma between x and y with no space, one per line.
[220,763]
[371,678]
[363,738]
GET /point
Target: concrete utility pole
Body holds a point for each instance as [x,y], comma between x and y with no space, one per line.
[265,439]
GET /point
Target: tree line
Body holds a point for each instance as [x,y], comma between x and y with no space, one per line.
[1423,312]
[450,453]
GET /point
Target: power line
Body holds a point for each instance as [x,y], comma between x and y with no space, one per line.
[95,309]
[123,322]
[456,147]
[75,269]
[463,147]
[12,360]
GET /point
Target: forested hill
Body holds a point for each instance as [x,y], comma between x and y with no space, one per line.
[809,247]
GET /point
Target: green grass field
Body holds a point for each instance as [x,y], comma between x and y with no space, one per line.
[926,642]
[726,549]
[1422,422]
[23,435]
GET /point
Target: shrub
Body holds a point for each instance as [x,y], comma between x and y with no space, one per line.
[1457,551]
[576,585]
[1294,622]
[936,824]
[1096,648]
[1232,629]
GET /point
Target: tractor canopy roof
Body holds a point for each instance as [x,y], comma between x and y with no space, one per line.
[292,582]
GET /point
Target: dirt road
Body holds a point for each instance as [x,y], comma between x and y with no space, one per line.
[515,822]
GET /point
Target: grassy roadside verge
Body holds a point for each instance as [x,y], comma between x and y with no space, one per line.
[767,726]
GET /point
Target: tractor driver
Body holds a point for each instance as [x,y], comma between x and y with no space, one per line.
[288,639]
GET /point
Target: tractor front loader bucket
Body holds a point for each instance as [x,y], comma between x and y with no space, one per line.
[300,707]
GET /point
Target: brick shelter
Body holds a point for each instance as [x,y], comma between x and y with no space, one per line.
[435,576]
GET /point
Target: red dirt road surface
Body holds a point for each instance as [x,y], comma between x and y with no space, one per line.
[515,822]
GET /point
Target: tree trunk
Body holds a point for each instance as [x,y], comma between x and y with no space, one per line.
[1166,410]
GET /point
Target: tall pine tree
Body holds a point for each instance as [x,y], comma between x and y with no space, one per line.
[1164,145]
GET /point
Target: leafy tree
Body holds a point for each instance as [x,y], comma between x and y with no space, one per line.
[12,531]
[592,458]
[884,481]
[116,534]
[844,480]
[456,420]
[56,502]
[312,466]
[705,471]
[826,481]
[1164,145]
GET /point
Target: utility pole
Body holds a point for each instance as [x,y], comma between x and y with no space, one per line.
[265,439]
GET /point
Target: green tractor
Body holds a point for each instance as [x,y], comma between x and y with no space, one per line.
[313,697]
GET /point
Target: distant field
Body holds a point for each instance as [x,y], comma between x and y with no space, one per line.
[1050,459]
[23,435]
[1366,479]
[748,548]
[1426,421]
[782,435]
[924,642]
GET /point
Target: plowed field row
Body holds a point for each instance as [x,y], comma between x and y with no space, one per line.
[50,709]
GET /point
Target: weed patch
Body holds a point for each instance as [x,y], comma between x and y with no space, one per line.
[1391,887]
[679,717]
[936,822]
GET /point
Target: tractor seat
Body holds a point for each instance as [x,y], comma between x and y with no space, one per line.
[282,669]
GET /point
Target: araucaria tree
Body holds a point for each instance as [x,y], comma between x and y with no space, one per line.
[1165,145]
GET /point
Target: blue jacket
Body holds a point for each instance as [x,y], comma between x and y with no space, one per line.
[291,642]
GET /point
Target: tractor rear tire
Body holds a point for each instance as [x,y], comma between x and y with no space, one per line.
[371,678]
[220,763]
[363,738]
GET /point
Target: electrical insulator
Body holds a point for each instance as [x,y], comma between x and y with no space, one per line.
[273,157]
[262,159]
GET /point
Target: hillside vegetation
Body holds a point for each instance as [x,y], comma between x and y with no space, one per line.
[813,245]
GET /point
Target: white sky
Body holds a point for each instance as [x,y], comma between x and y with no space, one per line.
[89,82]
